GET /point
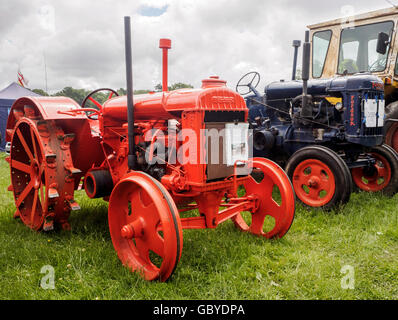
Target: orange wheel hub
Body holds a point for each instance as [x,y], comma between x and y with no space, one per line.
[314,183]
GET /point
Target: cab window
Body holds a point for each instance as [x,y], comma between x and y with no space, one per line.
[358,49]
[320,43]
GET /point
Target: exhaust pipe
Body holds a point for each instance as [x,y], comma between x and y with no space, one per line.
[165,45]
[132,158]
[296,46]
[306,105]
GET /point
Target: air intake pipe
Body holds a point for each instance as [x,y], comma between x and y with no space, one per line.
[296,46]
[132,158]
[306,105]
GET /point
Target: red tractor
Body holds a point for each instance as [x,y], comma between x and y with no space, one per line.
[123,151]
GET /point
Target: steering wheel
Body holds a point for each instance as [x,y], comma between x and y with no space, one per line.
[247,81]
[99,105]
[378,63]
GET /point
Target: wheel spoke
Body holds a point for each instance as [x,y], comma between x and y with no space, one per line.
[314,193]
[381,171]
[110,95]
[20,166]
[24,144]
[35,154]
[24,194]
[143,249]
[151,216]
[156,244]
[317,171]
[258,220]
[34,207]
[95,102]
[325,185]
[274,209]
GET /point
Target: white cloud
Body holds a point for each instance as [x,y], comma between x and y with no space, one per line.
[83,40]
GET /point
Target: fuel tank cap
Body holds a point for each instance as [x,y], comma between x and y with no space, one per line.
[213,82]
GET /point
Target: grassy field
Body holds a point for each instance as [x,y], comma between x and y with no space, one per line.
[215,264]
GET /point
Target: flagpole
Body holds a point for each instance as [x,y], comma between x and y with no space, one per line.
[45,71]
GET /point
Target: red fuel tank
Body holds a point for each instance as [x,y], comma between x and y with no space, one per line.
[213,96]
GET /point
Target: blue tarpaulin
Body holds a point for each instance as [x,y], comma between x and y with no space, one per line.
[7,98]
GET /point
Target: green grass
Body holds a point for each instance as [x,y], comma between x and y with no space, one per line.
[215,264]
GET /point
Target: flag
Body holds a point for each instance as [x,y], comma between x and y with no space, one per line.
[21,79]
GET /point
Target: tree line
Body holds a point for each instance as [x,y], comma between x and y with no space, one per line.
[79,94]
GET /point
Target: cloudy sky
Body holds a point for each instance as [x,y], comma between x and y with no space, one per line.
[82,41]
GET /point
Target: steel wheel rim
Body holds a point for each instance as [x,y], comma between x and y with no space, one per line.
[144,230]
[29,174]
[382,171]
[311,178]
[282,213]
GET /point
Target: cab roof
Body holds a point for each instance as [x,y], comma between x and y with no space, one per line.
[357,18]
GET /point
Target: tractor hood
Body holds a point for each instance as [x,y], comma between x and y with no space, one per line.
[288,90]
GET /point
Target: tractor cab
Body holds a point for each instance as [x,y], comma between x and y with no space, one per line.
[364,43]
[353,45]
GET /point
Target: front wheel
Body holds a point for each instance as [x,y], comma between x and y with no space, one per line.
[382,176]
[275,201]
[145,226]
[320,177]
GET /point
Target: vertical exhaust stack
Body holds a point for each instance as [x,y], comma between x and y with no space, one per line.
[165,45]
[130,102]
[296,46]
[306,110]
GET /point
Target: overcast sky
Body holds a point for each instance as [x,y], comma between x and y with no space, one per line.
[82,41]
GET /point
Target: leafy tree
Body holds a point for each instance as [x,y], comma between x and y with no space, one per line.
[79,94]
[76,94]
[174,86]
[41,92]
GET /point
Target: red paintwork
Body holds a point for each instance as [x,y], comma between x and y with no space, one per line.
[165,45]
[102,144]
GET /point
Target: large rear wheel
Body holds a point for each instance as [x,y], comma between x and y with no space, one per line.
[42,174]
[29,175]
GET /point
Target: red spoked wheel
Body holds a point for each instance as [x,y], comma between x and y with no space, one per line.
[275,199]
[314,183]
[382,176]
[145,226]
[29,175]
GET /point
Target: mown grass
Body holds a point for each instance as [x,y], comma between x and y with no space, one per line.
[215,264]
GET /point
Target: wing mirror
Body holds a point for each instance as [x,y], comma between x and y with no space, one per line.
[383,40]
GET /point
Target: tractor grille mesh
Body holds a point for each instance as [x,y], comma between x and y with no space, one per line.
[375,131]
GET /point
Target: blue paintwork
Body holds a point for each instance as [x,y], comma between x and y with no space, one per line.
[348,126]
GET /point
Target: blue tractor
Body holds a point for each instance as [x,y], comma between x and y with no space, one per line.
[327,134]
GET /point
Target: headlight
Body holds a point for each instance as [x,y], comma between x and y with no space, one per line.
[339,106]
